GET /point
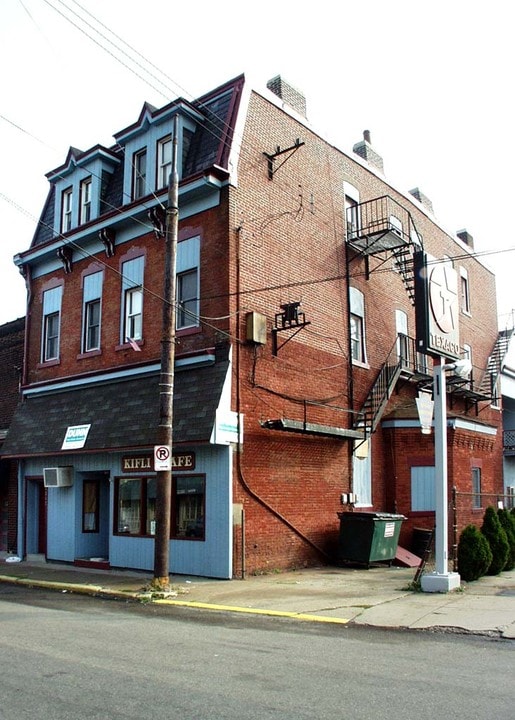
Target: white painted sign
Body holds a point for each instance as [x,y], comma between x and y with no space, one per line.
[162,457]
[226,428]
[389,529]
[76,436]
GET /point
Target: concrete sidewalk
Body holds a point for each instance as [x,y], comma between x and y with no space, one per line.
[380,597]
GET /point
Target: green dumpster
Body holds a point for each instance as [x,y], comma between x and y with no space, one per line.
[367,537]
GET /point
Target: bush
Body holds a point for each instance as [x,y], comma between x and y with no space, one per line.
[494,533]
[507,521]
[474,554]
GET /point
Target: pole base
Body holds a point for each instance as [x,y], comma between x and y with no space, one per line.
[441,583]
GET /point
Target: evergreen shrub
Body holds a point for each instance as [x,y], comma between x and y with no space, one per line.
[494,533]
[507,521]
[474,554]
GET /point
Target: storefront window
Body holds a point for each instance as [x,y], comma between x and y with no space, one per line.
[135,503]
[136,506]
[188,507]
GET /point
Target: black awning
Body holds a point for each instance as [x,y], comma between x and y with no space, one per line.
[122,414]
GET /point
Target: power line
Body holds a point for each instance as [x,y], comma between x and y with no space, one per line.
[281,186]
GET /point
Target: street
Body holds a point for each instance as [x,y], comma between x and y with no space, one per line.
[71,656]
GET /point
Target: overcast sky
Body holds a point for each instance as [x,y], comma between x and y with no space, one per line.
[432,81]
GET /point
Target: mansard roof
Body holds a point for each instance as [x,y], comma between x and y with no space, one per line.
[214,117]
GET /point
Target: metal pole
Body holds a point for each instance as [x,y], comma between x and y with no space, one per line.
[440,399]
[161,579]
[441,580]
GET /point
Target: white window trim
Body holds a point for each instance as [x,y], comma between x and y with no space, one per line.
[51,308]
[86,187]
[357,309]
[464,295]
[66,210]
[164,166]
[139,181]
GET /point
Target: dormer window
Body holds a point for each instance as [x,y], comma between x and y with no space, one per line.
[139,179]
[66,210]
[85,201]
[164,161]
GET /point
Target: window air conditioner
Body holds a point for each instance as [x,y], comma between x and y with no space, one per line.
[58,476]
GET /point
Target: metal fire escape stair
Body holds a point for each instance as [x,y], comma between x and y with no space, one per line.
[495,362]
[405,265]
[380,392]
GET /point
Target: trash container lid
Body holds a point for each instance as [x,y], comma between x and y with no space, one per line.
[372,515]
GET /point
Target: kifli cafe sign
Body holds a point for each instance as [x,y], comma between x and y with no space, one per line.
[145,462]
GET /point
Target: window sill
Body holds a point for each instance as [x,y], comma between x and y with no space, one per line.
[128,346]
[193,330]
[88,354]
[361,364]
[48,363]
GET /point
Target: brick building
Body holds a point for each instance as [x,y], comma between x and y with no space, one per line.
[11,360]
[297,369]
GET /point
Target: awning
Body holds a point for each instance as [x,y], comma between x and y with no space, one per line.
[306,428]
[123,414]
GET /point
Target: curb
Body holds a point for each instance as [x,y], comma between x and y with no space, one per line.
[145,596]
[70,587]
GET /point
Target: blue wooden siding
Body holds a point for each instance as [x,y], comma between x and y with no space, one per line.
[211,557]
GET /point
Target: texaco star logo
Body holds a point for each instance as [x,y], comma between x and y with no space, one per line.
[444,295]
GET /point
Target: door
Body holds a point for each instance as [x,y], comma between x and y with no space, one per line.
[35,517]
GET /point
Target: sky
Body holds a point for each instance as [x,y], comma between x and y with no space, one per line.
[431,81]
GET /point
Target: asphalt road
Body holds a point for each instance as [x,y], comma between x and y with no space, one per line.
[65,656]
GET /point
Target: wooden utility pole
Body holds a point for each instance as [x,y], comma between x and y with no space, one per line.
[161,579]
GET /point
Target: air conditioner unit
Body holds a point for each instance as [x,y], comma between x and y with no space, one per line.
[58,476]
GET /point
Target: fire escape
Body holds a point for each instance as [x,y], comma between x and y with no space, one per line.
[384,230]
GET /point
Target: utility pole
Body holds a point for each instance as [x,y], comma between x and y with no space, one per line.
[161,580]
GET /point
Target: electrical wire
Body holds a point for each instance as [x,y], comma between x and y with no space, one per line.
[263,222]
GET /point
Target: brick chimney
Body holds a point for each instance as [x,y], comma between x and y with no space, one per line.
[423,199]
[294,98]
[364,150]
[466,237]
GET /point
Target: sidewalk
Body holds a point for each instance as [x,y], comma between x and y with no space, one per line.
[377,597]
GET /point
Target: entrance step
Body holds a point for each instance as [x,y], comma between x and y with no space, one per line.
[35,558]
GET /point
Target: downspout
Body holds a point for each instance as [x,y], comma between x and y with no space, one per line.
[25,271]
[350,375]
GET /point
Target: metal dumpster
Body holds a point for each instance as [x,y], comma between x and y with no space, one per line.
[367,537]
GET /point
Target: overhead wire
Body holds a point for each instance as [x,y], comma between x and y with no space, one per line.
[281,186]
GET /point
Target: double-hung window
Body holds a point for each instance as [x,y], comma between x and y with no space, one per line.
[85,201]
[139,178]
[164,161]
[187,299]
[132,299]
[476,487]
[187,293]
[66,210]
[357,326]
[51,324]
[91,311]
[464,291]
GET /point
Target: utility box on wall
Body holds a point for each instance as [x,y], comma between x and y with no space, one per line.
[256,328]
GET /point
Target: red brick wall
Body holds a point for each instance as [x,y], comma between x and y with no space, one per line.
[290,247]
[210,226]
